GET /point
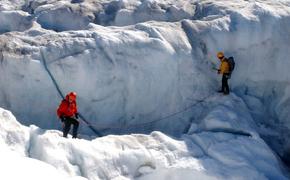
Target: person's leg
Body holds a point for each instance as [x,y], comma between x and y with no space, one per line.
[223,83]
[66,127]
[226,88]
[75,127]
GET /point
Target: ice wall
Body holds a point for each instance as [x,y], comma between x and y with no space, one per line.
[121,75]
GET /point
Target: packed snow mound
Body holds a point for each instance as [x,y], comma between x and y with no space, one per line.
[62,19]
[204,154]
[7,5]
[228,114]
[70,15]
[15,21]
[15,145]
[13,134]
[14,167]
[142,11]
[64,15]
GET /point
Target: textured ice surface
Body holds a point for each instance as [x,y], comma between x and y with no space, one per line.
[158,65]
[205,155]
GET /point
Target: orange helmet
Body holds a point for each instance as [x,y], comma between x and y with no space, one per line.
[220,55]
[72,95]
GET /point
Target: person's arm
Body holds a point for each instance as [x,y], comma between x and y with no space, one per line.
[76,111]
[60,111]
[219,71]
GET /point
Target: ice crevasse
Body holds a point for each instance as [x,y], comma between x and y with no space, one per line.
[129,70]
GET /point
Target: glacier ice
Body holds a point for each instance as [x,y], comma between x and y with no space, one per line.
[133,62]
[204,154]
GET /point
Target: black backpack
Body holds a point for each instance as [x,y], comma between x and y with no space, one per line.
[232,64]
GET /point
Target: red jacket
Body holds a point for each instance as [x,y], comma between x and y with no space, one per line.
[67,109]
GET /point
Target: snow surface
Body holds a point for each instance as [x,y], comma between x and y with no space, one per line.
[15,162]
[136,64]
[202,155]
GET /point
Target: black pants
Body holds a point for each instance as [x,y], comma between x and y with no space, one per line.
[67,124]
[225,85]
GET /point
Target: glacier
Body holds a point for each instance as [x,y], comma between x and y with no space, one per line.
[203,153]
[143,67]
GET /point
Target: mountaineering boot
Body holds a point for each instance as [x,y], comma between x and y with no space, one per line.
[226,93]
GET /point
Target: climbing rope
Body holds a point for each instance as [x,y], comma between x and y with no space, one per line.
[95,127]
[50,75]
[150,123]
[90,125]
[62,96]
[169,115]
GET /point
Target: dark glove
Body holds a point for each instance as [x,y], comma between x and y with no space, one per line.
[77,115]
[62,118]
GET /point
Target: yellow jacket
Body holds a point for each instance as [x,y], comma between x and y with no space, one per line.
[224,67]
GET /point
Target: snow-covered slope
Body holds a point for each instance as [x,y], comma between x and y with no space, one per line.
[15,142]
[204,154]
[140,66]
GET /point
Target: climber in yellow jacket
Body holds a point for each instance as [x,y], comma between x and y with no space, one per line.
[225,71]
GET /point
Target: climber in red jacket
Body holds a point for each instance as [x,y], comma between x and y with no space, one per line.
[68,113]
